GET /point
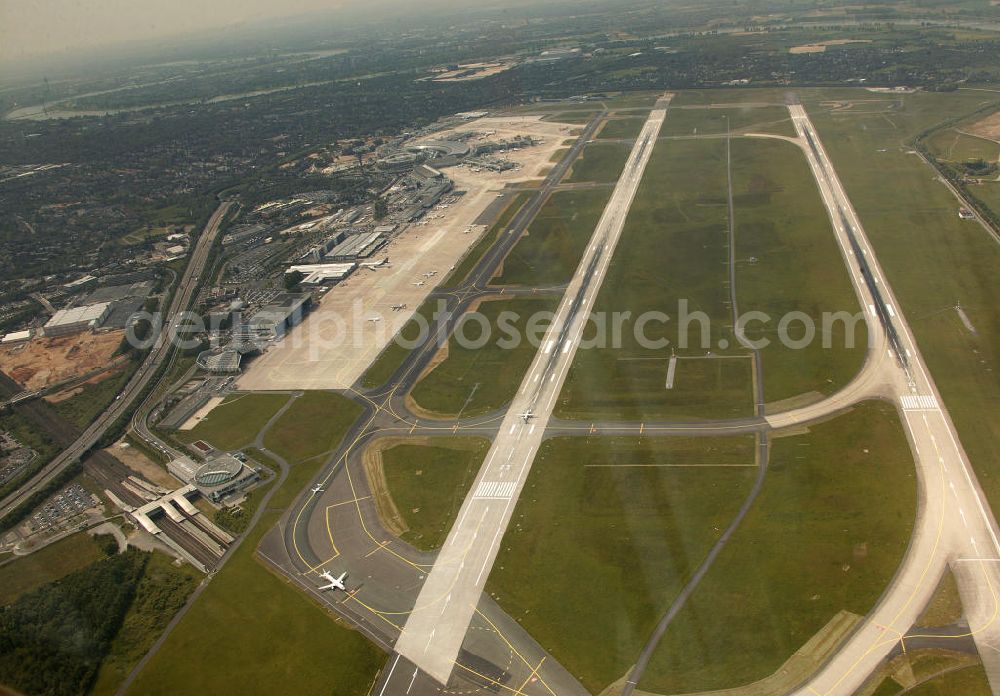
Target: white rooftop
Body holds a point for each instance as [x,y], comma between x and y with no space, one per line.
[86,313]
[14,336]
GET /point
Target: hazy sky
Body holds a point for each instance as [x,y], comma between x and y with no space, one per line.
[33,27]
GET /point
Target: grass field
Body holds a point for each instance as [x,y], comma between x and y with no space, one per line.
[235,422]
[312,426]
[827,533]
[765,119]
[471,380]
[250,632]
[673,249]
[55,561]
[988,194]
[161,593]
[933,259]
[605,534]
[621,128]
[782,224]
[599,162]
[576,116]
[428,483]
[708,97]
[951,145]
[967,681]
[553,244]
[631,100]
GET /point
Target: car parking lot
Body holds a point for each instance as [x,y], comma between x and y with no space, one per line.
[68,503]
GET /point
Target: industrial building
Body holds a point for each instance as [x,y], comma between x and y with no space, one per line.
[358,246]
[273,320]
[16,337]
[318,252]
[77,319]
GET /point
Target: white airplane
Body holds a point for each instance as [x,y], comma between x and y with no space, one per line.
[318,488]
[419,283]
[430,274]
[398,307]
[527,415]
[374,320]
[335,583]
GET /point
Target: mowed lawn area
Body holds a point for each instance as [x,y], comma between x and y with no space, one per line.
[55,561]
[933,259]
[599,162]
[236,421]
[312,426]
[952,145]
[553,244]
[672,257]
[714,121]
[251,632]
[968,681]
[826,534]
[428,483]
[605,534]
[621,128]
[476,379]
[788,260]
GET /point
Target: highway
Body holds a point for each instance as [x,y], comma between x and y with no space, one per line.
[434,631]
[954,524]
[136,386]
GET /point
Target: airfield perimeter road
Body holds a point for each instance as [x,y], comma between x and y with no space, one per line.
[436,628]
[137,385]
[954,525]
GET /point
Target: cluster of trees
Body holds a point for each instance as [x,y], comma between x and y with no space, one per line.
[53,640]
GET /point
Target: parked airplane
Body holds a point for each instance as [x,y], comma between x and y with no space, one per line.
[318,488]
[419,283]
[334,583]
[430,274]
[527,415]
[374,320]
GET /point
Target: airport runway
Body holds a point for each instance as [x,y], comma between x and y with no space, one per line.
[435,630]
[479,639]
[954,524]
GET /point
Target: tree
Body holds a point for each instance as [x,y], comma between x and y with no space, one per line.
[293,279]
[381,208]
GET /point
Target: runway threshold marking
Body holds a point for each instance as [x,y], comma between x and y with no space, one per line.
[494,489]
[919,402]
